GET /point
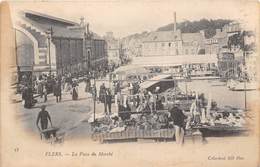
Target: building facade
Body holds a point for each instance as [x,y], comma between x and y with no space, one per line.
[172,43]
[58,45]
[174,49]
[114,49]
[219,42]
[98,58]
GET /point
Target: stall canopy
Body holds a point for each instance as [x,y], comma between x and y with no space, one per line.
[155,80]
[164,61]
[131,69]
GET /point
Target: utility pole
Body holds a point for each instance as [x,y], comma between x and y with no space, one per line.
[95,93]
[16,58]
[61,59]
[70,55]
[186,86]
[95,86]
[49,37]
[244,63]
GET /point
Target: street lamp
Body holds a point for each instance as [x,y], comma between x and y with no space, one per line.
[49,37]
[186,86]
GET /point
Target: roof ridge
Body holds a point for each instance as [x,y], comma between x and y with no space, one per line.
[50,17]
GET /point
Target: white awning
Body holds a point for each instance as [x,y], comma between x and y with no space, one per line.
[130,69]
[154,80]
[174,60]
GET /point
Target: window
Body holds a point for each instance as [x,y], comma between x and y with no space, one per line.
[162,44]
[170,44]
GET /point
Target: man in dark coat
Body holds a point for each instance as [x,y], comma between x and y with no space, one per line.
[88,84]
[57,91]
[43,117]
[178,120]
[108,101]
[102,93]
[27,96]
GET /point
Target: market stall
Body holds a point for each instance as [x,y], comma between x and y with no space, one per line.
[146,115]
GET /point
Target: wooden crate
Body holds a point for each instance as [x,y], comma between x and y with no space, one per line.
[139,133]
[135,134]
[163,133]
[166,133]
[147,134]
[131,134]
[156,133]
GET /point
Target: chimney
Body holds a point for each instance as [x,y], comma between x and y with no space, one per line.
[88,28]
[175,22]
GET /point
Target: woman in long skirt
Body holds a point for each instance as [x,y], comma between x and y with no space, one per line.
[88,85]
[75,90]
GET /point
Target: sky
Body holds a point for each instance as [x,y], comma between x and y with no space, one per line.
[125,17]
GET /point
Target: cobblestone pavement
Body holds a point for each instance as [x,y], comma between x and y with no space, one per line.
[68,115]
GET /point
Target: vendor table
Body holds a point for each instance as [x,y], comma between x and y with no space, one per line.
[134,134]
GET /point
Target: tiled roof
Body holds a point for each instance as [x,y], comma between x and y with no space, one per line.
[42,15]
[163,36]
[173,36]
[58,31]
[220,35]
[190,37]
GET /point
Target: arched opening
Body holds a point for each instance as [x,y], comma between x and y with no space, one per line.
[25,52]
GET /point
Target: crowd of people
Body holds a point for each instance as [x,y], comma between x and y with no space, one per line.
[41,86]
[32,86]
[44,85]
[136,107]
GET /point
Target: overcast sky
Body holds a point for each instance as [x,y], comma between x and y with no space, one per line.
[134,16]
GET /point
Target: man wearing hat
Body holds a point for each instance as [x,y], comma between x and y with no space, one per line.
[178,120]
[44,116]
